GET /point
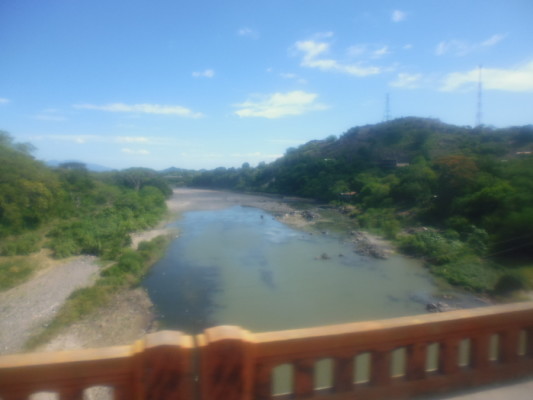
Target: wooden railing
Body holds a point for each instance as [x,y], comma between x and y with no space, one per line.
[385,359]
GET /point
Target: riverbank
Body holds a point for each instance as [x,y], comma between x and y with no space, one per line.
[29,307]
[129,315]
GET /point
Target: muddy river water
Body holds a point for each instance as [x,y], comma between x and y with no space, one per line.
[241,266]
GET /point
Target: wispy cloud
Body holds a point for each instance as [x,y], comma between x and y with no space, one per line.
[132,139]
[3,100]
[279,105]
[314,57]
[493,40]
[142,109]
[461,48]
[518,79]
[134,151]
[248,32]
[398,16]
[407,81]
[50,114]
[49,117]
[294,77]
[207,73]
[80,139]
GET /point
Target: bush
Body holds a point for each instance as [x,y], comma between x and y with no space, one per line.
[436,248]
[468,272]
[382,221]
[21,245]
[509,282]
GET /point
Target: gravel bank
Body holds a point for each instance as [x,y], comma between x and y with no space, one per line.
[28,307]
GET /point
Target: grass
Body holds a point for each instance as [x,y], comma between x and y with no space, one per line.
[14,271]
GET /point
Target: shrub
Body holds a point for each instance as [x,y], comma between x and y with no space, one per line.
[509,282]
[20,245]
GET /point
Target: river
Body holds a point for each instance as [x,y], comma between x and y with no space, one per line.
[238,265]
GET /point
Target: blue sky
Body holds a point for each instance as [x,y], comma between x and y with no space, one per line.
[209,83]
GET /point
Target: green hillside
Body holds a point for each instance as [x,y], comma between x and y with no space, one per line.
[460,197]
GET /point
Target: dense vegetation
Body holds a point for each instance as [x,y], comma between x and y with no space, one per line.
[70,210]
[462,198]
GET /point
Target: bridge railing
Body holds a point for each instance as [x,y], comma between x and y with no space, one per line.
[156,367]
[384,359]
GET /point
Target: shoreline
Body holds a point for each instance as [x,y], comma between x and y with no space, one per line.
[131,315]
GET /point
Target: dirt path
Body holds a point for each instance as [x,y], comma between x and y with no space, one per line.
[28,307]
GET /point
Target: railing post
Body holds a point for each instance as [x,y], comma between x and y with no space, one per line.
[343,374]
[263,382]
[303,380]
[529,342]
[416,361]
[449,356]
[164,367]
[480,351]
[226,357]
[509,345]
[380,374]
[71,393]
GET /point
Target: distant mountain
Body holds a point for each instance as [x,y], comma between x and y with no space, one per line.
[89,166]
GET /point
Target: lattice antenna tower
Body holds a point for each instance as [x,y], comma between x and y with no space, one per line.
[387,107]
[479,112]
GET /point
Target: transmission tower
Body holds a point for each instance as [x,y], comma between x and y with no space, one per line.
[479,112]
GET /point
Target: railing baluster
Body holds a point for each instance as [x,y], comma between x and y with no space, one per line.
[529,342]
[16,395]
[380,367]
[480,351]
[343,371]
[449,356]
[304,378]
[125,391]
[71,393]
[509,345]
[226,364]
[416,361]
[263,382]
[164,367]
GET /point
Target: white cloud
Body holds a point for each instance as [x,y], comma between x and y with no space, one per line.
[49,117]
[132,151]
[131,139]
[511,80]
[462,47]
[407,81]
[279,105]
[142,109]
[80,139]
[312,50]
[493,40]
[4,100]
[398,16]
[50,114]
[294,77]
[208,73]
[248,32]
[382,51]
[455,47]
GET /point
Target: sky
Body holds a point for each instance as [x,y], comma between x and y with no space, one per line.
[216,83]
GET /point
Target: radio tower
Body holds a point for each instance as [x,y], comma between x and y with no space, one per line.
[479,113]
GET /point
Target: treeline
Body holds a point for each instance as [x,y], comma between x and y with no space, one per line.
[458,196]
[71,210]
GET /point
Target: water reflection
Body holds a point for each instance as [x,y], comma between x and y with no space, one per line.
[240,266]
